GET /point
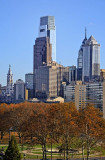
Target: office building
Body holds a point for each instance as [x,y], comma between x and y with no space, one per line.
[80,95]
[42,52]
[102,74]
[47,28]
[29,84]
[72,74]
[69,93]
[91,60]
[29,80]
[65,74]
[88,61]
[80,59]
[84,94]
[46,82]
[20,92]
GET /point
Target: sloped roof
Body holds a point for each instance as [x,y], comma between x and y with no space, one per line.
[91,40]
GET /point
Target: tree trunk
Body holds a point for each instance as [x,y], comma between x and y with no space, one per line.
[19,137]
[51,147]
[82,150]
[66,151]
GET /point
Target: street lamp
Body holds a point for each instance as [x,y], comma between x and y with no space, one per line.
[24,156]
[11,129]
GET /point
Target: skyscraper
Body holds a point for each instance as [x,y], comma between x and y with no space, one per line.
[80,59]
[88,62]
[47,28]
[91,60]
[42,52]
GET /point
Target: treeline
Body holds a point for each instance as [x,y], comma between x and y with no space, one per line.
[48,124]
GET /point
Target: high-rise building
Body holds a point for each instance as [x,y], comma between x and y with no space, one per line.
[48,81]
[84,94]
[29,80]
[29,84]
[20,92]
[80,59]
[72,74]
[47,28]
[42,52]
[91,60]
[88,62]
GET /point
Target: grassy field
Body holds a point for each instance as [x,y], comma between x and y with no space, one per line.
[35,151]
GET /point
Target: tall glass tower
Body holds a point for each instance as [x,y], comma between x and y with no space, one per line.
[47,28]
[91,60]
[80,59]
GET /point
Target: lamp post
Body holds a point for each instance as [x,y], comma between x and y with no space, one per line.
[24,156]
[10,133]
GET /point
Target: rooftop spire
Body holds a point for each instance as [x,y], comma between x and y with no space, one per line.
[9,66]
[85,33]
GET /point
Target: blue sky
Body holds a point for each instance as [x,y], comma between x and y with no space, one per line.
[19,22]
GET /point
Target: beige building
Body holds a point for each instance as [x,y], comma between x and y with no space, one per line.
[48,80]
[89,93]
[102,74]
[80,95]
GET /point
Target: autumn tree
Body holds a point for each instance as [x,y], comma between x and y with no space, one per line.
[63,127]
[19,114]
[91,127]
[4,119]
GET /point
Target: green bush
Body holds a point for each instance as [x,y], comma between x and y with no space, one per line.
[12,152]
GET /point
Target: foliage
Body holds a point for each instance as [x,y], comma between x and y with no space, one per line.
[12,152]
[49,124]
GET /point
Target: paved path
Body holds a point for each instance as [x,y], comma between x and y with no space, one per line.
[94,158]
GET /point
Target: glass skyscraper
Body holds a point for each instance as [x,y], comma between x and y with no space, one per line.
[47,28]
[91,60]
[88,62]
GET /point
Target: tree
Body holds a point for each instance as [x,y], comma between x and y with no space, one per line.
[91,127]
[12,152]
[62,125]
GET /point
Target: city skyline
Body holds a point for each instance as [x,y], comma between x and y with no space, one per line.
[19,29]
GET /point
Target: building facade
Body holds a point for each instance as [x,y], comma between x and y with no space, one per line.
[46,82]
[9,89]
[80,59]
[84,94]
[88,61]
[47,28]
[72,74]
[20,92]
[42,52]
[102,74]
[91,60]
[29,84]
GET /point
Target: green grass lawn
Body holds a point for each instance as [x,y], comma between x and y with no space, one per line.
[35,151]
